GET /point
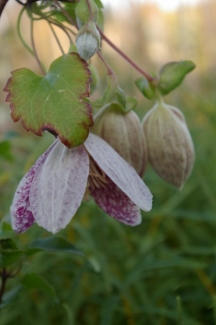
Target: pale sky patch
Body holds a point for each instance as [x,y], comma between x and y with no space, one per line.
[166,5]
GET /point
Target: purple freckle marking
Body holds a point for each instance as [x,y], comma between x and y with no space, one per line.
[21,215]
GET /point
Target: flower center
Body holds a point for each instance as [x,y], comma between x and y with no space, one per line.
[96,178]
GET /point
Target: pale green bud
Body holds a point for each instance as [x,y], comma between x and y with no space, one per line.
[170,147]
[123,132]
[88,41]
[83,14]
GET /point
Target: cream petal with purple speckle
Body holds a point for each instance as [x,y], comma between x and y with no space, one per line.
[116,203]
[120,172]
[58,189]
[21,213]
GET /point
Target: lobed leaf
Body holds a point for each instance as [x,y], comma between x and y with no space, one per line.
[55,102]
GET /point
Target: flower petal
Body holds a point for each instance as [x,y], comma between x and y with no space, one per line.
[21,213]
[117,204]
[119,171]
[58,188]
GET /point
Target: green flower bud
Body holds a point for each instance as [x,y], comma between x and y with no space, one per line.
[88,41]
[123,131]
[83,14]
[170,147]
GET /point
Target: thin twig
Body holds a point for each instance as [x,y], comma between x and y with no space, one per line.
[56,38]
[143,72]
[110,71]
[65,13]
[65,29]
[2,5]
[34,49]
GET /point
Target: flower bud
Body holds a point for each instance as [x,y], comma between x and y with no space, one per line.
[88,41]
[83,14]
[123,131]
[170,147]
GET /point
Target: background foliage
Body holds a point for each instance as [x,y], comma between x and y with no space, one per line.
[161,272]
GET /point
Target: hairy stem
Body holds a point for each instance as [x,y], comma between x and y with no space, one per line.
[110,71]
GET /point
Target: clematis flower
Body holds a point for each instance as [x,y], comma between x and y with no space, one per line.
[53,189]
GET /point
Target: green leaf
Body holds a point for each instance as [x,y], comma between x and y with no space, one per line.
[172,74]
[59,16]
[54,102]
[9,257]
[10,296]
[7,244]
[6,230]
[35,281]
[5,150]
[55,244]
[100,20]
[99,4]
[69,313]
[145,87]
[70,8]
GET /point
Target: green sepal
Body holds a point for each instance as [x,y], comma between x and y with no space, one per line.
[172,74]
[146,88]
[131,103]
[112,94]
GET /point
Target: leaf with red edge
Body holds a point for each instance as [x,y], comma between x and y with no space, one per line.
[55,102]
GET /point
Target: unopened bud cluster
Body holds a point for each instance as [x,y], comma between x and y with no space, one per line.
[163,140]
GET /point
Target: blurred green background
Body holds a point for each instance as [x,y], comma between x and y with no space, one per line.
[161,272]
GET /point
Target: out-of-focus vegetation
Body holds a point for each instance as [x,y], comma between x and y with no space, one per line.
[161,272]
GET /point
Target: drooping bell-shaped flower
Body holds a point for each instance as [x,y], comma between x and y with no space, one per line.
[170,147]
[53,189]
[123,131]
